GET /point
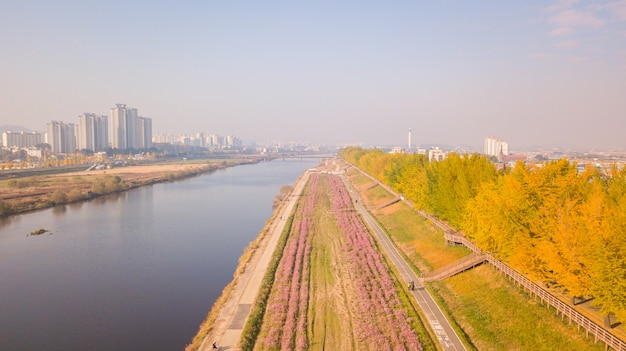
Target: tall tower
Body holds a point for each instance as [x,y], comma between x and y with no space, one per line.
[409,138]
[61,136]
[85,131]
[132,132]
[101,133]
[118,127]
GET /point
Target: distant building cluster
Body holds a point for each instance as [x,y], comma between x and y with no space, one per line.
[128,131]
[124,129]
[209,141]
[495,147]
[434,153]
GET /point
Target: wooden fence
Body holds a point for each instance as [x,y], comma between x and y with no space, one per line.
[565,310]
[599,332]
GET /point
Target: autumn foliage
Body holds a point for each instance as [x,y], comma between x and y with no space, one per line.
[549,222]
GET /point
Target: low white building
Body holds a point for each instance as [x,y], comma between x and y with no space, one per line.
[436,154]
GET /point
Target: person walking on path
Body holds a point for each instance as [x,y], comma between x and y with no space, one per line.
[215,347]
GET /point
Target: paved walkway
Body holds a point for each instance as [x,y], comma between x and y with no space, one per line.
[233,316]
[446,336]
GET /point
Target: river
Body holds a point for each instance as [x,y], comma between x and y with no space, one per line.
[133,271]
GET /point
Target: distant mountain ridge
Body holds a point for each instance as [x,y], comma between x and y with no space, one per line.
[10,128]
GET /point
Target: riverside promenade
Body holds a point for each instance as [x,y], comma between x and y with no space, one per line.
[226,331]
[446,336]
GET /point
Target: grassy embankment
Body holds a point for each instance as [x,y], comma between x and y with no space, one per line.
[35,192]
[493,313]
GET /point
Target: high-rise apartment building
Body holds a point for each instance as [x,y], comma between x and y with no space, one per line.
[215,141]
[232,142]
[101,133]
[21,139]
[61,136]
[93,132]
[84,135]
[118,127]
[495,147]
[145,132]
[129,130]
[132,129]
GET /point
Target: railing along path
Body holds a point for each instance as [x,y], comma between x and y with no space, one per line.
[590,327]
[599,332]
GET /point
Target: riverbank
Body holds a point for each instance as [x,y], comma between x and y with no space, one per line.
[247,279]
[225,320]
[19,195]
[237,307]
[476,300]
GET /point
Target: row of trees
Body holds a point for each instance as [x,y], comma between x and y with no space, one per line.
[548,222]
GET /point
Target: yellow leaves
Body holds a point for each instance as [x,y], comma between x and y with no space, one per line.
[454,181]
[549,222]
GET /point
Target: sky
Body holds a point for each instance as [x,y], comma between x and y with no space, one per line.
[534,73]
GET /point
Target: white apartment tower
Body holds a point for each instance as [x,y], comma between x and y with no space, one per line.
[145,132]
[214,141]
[495,147]
[132,129]
[61,137]
[118,127]
[93,132]
[84,136]
[101,133]
[21,139]
[129,130]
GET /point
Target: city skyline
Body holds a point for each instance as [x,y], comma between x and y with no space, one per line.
[533,73]
[127,130]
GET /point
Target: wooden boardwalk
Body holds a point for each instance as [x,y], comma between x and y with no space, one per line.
[455,267]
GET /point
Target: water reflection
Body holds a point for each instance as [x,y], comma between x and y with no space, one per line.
[75,205]
[5,221]
[59,210]
[135,270]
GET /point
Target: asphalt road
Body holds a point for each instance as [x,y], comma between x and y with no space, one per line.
[440,325]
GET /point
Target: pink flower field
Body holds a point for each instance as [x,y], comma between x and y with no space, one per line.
[378,319]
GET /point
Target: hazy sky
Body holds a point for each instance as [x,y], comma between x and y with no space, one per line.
[530,72]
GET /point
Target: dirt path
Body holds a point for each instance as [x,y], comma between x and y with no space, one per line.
[331,322]
[232,316]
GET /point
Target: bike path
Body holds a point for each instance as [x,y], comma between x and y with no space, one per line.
[442,328]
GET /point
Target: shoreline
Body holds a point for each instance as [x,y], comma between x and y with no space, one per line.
[227,316]
[38,192]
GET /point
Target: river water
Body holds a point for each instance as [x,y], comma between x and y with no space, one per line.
[133,271]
